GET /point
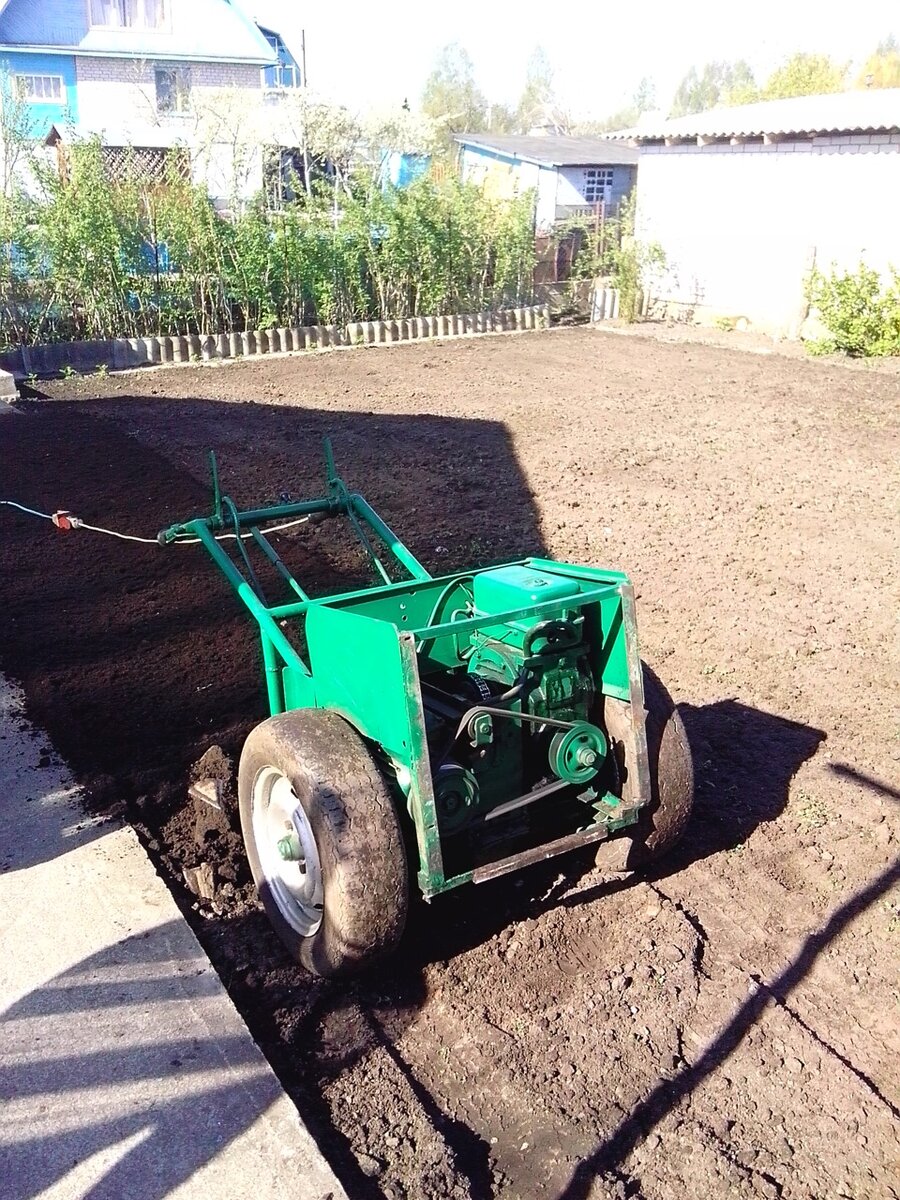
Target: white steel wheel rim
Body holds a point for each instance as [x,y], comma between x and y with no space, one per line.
[293,883]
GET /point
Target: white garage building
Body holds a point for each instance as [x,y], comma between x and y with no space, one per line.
[746,200]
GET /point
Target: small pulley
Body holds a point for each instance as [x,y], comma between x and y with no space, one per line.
[577,754]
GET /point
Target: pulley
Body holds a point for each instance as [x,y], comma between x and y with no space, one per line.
[577,754]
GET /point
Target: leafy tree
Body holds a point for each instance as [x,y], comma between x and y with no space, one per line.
[644,100]
[805,75]
[537,97]
[716,83]
[882,69]
[451,96]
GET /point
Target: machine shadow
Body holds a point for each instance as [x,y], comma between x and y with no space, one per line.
[744,761]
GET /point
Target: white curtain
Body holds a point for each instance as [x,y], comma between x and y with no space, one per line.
[106,12]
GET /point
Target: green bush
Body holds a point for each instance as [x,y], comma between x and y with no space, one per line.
[860,312]
[95,258]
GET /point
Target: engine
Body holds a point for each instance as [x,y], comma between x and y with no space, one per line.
[512,722]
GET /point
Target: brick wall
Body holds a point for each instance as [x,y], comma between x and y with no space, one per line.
[121,90]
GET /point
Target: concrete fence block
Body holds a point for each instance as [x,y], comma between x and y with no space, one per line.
[194,347]
[152,350]
[248,342]
[137,353]
[223,346]
[293,335]
[368,332]
[120,358]
[355,333]
[312,336]
[235,346]
[166,350]
[392,331]
[274,336]
[422,327]
[284,339]
[262,341]
[529,318]
[443,327]
[455,325]
[207,347]
[8,389]
[545,317]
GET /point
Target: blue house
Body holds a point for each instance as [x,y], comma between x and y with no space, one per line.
[569,175]
[137,71]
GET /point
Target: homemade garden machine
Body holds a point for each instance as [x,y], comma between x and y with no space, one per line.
[470,724]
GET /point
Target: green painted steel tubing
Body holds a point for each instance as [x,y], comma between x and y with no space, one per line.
[263,617]
[387,535]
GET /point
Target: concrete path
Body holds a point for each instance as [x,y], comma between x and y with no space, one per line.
[125,1070]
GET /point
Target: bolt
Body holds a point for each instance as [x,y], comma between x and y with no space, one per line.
[586,757]
[290,849]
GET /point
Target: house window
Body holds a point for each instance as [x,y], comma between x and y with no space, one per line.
[129,14]
[598,183]
[173,90]
[285,73]
[40,89]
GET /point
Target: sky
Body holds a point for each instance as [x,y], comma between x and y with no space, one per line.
[374,56]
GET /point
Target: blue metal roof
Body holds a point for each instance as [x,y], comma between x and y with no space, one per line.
[199,30]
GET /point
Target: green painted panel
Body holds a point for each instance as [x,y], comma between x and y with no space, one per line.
[358,672]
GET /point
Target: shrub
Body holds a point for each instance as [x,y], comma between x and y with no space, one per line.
[860,312]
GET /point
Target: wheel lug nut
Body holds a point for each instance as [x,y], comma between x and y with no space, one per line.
[290,849]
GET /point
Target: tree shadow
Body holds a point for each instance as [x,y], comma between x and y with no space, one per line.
[95,1086]
[607,1158]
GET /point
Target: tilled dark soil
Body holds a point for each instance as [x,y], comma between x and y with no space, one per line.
[726,1026]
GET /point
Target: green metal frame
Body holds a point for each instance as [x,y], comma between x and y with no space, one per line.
[368,648]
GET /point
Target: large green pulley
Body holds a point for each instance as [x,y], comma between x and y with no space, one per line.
[577,754]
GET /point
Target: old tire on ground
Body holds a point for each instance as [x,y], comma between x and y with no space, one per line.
[663,822]
[324,841]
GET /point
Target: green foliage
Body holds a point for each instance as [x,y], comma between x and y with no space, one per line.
[805,75]
[716,83]
[451,95]
[93,259]
[860,312]
[881,69]
[616,252]
[537,96]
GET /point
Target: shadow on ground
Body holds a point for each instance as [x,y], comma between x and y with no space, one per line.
[121,1114]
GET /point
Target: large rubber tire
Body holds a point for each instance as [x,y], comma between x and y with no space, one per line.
[349,810]
[664,820]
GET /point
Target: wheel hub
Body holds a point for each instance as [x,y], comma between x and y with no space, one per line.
[287,851]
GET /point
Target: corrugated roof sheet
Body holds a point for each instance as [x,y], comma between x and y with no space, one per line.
[875,110]
[552,150]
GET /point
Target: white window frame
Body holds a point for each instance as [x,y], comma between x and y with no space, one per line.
[58,88]
[598,184]
[165,25]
